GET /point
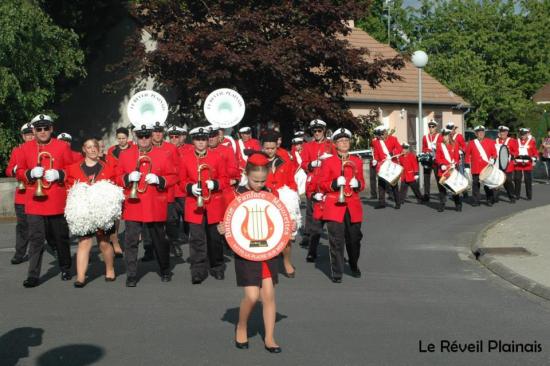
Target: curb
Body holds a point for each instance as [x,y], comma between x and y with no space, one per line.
[504,272]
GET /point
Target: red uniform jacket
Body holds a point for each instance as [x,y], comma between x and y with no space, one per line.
[56,194]
[213,206]
[19,196]
[75,173]
[77,156]
[114,152]
[297,157]
[281,173]
[229,161]
[528,150]
[313,150]
[441,160]
[410,167]
[152,205]
[435,139]
[312,187]
[393,146]
[512,147]
[459,139]
[251,144]
[174,158]
[331,170]
[474,158]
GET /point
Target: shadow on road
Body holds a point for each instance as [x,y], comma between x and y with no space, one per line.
[255,323]
[71,354]
[15,344]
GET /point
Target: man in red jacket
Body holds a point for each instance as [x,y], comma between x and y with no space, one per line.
[246,145]
[203,177]
[343,172]
[177,136]
[41,163]
[21,228]
[313,154]
[524,162]
[77,155]
[229,159]
[512,144]
[172,220]
[409,178]
[123,143]
[479,153]
[429,143]
[153,171]
[384,147]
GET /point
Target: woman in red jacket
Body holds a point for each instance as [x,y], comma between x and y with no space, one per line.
[409,178]
[447,157]
[92,169]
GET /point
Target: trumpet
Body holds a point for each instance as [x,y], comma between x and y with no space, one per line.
[346,162]
[40,185]
[201,198]
[135,185]
[21,186]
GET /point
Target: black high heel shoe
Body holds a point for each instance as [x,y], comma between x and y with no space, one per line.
[79,284]
[110,279]
[243,345]
[273,349]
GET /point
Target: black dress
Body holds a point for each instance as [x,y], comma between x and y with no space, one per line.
[249,273]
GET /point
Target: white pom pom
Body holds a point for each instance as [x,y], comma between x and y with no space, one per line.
[291,200]
[77,210]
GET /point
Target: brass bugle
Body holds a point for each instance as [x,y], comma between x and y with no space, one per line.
[342,194]
[135,185]
[40,185]
[200,197]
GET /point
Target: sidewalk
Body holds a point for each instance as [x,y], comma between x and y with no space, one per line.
[517,248]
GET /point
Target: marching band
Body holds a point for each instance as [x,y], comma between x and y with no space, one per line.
[165,184]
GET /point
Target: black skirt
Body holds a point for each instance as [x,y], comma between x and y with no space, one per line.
[249,273]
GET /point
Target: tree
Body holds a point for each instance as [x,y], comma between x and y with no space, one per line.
[35,54]
[288,59]
[494,53]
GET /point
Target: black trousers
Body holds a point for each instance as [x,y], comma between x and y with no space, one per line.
[372,181]
[443,196]
[343,235]
[315,231]
[405,187]
[172,223]
[384,186]
[476,185]
[21,232]
[427,179]
[528,178]
[159,244]
[56,229]
[205,249]
[509,186]
[306,232]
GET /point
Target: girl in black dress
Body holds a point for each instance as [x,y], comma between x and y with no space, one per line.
[257,278]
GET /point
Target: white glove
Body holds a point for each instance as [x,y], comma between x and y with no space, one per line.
[14,170]
[51,175]
[534,159]
[316,163]
[244,181]
[152,179]
[134,176]
[354,183]
[210,184]
[196,190]
[37,172]
[492,161]
[443,167]
[374,162]
[341,181]
[416,177]
[318,196]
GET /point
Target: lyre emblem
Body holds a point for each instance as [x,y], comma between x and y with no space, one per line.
[257,226]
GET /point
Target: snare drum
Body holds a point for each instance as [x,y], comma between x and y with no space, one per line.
[390,172]
[492,176]
[454,181]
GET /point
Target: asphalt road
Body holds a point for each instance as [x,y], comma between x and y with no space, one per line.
[420,283]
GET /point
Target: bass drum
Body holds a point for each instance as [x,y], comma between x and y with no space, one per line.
[503,157]
[492,177]
[390,172]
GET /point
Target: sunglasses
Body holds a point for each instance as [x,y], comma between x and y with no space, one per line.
[141,137]
[431,126]
[40,129]
[318,130]
[174,136]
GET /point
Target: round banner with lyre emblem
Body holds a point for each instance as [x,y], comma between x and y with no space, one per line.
[257,225]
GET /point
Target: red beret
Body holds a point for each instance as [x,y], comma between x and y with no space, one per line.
[258,159]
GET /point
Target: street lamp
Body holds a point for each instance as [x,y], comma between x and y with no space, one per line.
[419,59]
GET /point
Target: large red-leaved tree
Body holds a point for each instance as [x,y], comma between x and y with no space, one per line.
[289,59]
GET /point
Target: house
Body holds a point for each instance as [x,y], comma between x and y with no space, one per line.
[542,96]
[397,102]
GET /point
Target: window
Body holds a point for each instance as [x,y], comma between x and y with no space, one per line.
[411,129]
